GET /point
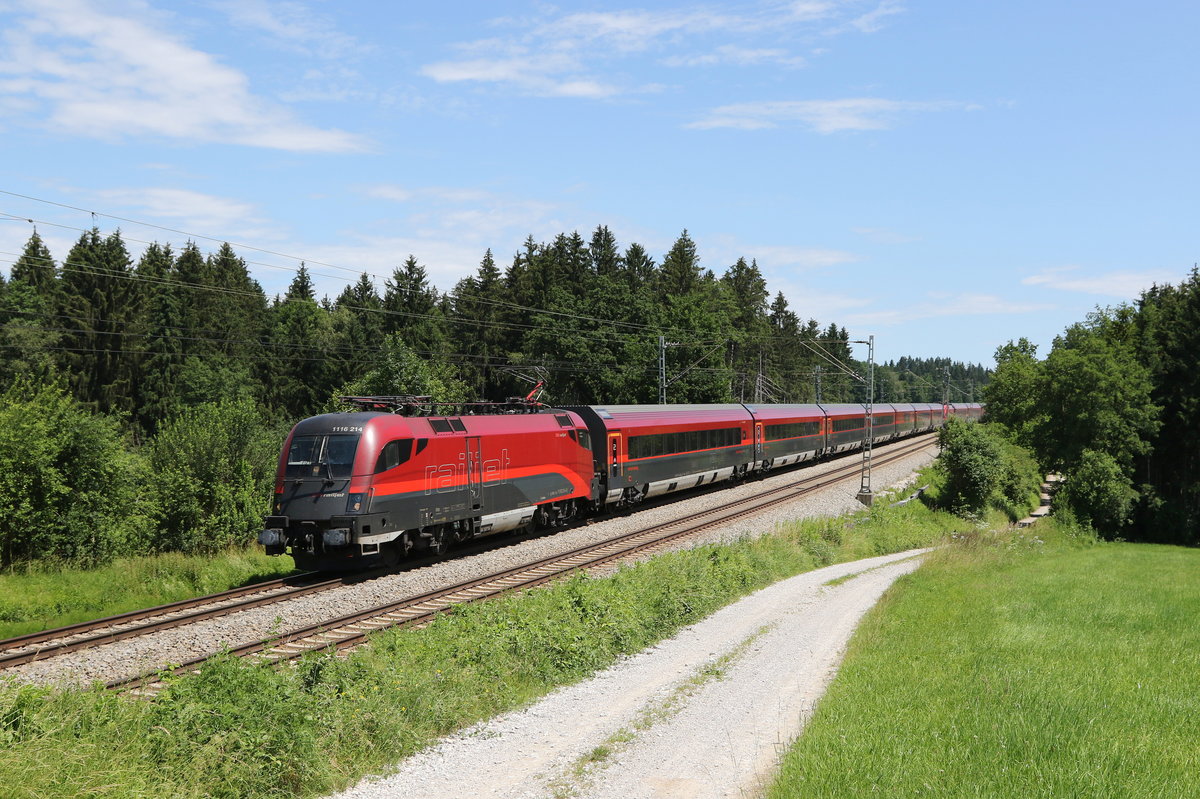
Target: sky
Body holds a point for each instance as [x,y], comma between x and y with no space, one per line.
[943,175]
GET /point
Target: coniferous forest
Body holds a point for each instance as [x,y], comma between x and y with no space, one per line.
[145,401]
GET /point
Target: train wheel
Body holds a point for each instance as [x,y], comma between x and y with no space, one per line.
[392,554]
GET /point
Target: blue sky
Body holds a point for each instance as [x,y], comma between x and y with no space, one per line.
[943,175]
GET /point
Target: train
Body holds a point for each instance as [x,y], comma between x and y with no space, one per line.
[402,475]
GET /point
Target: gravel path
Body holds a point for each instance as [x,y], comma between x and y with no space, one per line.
[139,655]
[704,714]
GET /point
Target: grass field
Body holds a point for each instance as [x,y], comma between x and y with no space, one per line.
[1029,665]
[51,597]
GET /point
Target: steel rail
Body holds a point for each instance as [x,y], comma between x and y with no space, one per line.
[352,630]
[61,640]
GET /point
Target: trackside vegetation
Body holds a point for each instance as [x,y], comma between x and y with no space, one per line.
[1038,663]
[240,730]
[45,597]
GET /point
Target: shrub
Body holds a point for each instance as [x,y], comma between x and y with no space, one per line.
[1099,494]
[212,470]
[68,489]
[983,470]
[971,460]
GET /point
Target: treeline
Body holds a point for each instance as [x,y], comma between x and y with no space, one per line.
[179,328]
[1113,407]
[178,375]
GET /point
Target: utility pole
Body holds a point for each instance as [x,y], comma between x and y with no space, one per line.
[662,370]
[818,383]
[865,496]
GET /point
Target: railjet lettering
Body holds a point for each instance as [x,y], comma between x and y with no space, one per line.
[448,477]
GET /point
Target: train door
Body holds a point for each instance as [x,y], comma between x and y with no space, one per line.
[614,458]
[758,441]
[474,471]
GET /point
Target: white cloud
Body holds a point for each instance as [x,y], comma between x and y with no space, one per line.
[737,56]
[545,75]
[799,257]
[1123,285]
[107,75]
[560,55]
[205,214]
[959,305]
[823,116]
[872,21]
[293,25]
[470,216]
[633,30]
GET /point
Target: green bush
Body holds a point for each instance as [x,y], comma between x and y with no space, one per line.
[68,487]
[212,469]
[1099,494]
[982,469]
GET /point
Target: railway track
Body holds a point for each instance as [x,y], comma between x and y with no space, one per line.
[352,630]
[84,635]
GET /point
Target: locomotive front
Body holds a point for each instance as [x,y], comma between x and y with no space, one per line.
[321,508]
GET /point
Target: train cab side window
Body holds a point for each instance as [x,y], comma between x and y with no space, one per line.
[585,439]
[393,454]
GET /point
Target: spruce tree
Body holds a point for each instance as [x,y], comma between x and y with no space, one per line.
[162,348]
[301,343]
[411,305]
[96,290]
[477,321]
[358,325]
[29,314]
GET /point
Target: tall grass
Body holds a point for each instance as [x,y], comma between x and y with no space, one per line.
[241,730]
[43,596]
[1027,665]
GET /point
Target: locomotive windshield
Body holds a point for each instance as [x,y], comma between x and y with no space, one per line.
[328,457]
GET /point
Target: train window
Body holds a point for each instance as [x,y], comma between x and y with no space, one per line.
[775,432]
[440,425]
[585,439]
[457,426]
[339,455]
[882,420]
[564,421]
[330,457]
[422,443]
[302,456]
[394,453]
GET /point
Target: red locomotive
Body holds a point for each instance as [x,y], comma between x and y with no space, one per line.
[366,488]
